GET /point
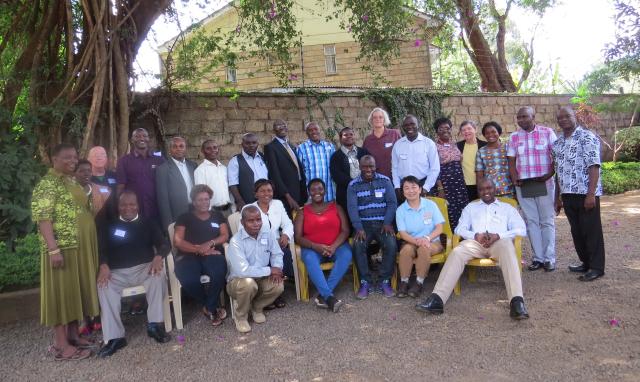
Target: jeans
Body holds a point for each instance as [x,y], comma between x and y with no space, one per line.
[389,249]
[341,261]
[188,270]
[539,213]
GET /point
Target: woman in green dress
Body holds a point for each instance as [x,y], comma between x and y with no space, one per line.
[68,254]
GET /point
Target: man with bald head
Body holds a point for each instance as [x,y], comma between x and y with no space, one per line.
[174,180]
[244,170]
[136,171]
[255,269]
[576,156]
[285,169]
[315,155]
[488,227]
[531,171]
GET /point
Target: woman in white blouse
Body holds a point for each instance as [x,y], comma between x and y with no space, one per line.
[275,218]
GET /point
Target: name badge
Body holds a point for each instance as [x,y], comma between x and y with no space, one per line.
[111,181]
[120,233]
[264,241]
[153,166]
[541,147]
[427,218]
[403,156]
[157,154]
[387,145]
[104,190]
[215,225]
[378,194]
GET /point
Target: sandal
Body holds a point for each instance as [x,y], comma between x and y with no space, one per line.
[221,313]
[90,343]
[280,303]
[78,355]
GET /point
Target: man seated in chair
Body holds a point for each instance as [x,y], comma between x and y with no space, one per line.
[488,227]
[132,251]
[371,203]
[255,269]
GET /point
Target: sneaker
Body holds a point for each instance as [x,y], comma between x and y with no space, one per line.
[242,326]
[387,291]
[415,290]
[320,303]
[363,292]
[334,304]
[403,289]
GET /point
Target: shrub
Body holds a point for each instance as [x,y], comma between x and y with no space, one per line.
[20,269]
[618,177]
[631,149]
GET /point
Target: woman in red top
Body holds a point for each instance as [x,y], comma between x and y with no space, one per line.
[321,230]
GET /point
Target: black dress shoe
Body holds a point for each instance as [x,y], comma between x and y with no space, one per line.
[156,331]
[549,266]
[518,310]
[535,265]
[111,347]
[591,275]
[578,268]
[433,304]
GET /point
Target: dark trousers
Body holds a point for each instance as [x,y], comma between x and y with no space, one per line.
[586,230]
[188,270]
[389,249]
[287,261]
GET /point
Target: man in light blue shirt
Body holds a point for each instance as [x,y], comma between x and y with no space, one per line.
[488,227]
[414,154]
[254,261]
[315,156]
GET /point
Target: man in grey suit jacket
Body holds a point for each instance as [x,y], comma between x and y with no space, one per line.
[174,180]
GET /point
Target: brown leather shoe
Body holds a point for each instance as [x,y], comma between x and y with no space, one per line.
[403,288]
[415,290]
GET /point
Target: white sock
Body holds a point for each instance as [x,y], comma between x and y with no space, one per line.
[404,279]
[420,280]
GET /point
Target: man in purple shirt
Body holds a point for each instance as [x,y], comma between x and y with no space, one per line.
[136,171]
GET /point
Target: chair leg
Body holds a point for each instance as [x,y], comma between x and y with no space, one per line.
[356,278]
[176,301]
[296,271]
[304,281]
[457,288]
[472,275]
[166,308]
[394,278]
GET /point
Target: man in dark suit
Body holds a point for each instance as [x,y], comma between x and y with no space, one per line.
[345,164]
[285,169]
[174,180]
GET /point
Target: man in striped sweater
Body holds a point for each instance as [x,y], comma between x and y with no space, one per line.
[371,203]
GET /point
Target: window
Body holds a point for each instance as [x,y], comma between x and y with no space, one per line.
[232,75]
[330,59]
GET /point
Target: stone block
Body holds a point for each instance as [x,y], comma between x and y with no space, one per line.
[301,102]
[274,114]
[255,126]
[486,109]
[266,102]
[354,101]
[214,115]
[502,101]
[233,126]
[212,127]
[225,102]
[256,113]
[349,113]
[285,102]
[246,101]
[340,102]
[228,151]
[468,101]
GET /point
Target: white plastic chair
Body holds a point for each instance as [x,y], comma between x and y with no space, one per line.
[166,310]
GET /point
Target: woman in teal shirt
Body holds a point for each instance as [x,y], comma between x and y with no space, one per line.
[419,224]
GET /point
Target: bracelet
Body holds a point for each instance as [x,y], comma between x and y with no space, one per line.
[55,252]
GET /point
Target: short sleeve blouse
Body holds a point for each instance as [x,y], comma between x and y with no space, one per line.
[321,228]
[197,231]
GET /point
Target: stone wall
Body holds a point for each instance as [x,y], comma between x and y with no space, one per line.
[201,116]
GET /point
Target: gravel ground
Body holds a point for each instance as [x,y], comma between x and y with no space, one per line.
[570,335]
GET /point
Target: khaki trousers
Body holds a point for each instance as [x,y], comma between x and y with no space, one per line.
[502,250]
[422,256]
[253,294]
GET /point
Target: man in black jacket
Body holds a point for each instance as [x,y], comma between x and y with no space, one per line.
[132,251]
[345,164]
[285,169]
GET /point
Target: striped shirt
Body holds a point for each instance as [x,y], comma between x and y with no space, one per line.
[315,158]
[373,201]
[532,151]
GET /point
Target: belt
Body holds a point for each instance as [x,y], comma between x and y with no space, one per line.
[223,207]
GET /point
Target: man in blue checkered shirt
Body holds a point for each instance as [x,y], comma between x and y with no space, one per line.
[315,156]
[371,203]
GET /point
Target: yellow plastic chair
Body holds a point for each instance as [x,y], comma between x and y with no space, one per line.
[441,257]
[517,242]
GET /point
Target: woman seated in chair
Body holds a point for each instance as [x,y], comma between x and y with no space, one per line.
[420,223]
[199,236]
[275,218]
[321,230]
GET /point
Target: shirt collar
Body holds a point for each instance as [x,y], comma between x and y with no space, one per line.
[209,163]
[244,234]
[420,137]
[247,156]
[129,221]
[182,162]
[354,149]
[320,142]
[283,141]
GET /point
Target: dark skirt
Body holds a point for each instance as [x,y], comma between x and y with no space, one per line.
[455,190]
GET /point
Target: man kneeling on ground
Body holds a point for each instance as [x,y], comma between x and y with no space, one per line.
[127,259]
[251,281]
[488,227]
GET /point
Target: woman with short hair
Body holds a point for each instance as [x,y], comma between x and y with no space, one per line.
[469,147]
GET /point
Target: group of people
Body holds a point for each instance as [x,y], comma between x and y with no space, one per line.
[316,196]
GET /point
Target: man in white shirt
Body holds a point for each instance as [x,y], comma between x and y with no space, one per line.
[255,277]
[214,174]
[488,227]
[174,180]
[414,154]
[244,170]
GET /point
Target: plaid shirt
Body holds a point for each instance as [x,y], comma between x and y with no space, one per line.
[532,151]
[315,158]
[572,157]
